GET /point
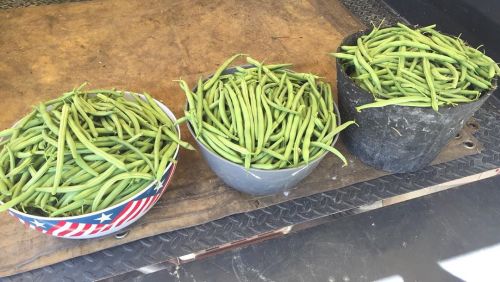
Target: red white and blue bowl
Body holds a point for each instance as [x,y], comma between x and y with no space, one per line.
[109,220]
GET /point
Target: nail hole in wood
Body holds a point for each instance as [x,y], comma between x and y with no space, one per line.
[473,125]
[121,235]
[469,145]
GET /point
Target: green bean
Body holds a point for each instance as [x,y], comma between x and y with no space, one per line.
[120,111]
[476,81]
[130,192]
[247,120]
[402,43]
[219,71]
[429,56]
[60,147]
[31,170]
[331,149]
[89,184]
[118,126]
[83,113]
[170,134]
[279,107]
[216,122]
[430,83]
[104,189]
[107,125]
[237,113]
[38,199]
[302,129]
[34,129]
[144,114]
[7,132]
[80,176]
[321,101]
[394,101]
[199,105]
[438,63]
[261,130]
[264,68]
[49,139]
[369,69]
[343,56]
[419,37]
[336,131]
[20,167]
[291,139]
[44,200]
[134,149]
[212,93]
[275,154]
[222,110]
[157,148]
[248,113]
[363,51]
[307,136]
[272,147]
[70,207]
[222,152]
[328,127]
[30,160]
[266,166]
[79,161]
[225,142]
[26,143]
[12,161]
[278,135]
[93,148]
[83,104]
[128,130]
[281,84]
[269,121]
[102,113]
[47,119]
[16,188]
[189,94]
[4,190]
[258,115]
[112,196]
[27,190]
[104,91]
[329,98]
[167,156]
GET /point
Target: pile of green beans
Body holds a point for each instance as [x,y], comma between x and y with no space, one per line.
[84,152]
[418,67]
[263,116]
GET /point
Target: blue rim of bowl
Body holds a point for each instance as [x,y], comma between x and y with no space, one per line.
[172,117]
[320,157]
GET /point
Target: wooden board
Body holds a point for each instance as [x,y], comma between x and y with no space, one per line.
[143,46]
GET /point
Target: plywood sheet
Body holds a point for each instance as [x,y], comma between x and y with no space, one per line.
[143,46]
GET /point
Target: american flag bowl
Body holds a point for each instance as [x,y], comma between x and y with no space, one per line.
[109,220]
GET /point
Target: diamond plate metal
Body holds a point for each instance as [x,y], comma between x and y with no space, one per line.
[373,11]
[9,4]
[164,247]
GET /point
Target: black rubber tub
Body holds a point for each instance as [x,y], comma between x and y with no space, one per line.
[397,138]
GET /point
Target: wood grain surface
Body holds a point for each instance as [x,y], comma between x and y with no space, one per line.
[140,46]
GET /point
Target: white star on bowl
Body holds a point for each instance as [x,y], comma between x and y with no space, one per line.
[104,217]
[157,186]
[37,223]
